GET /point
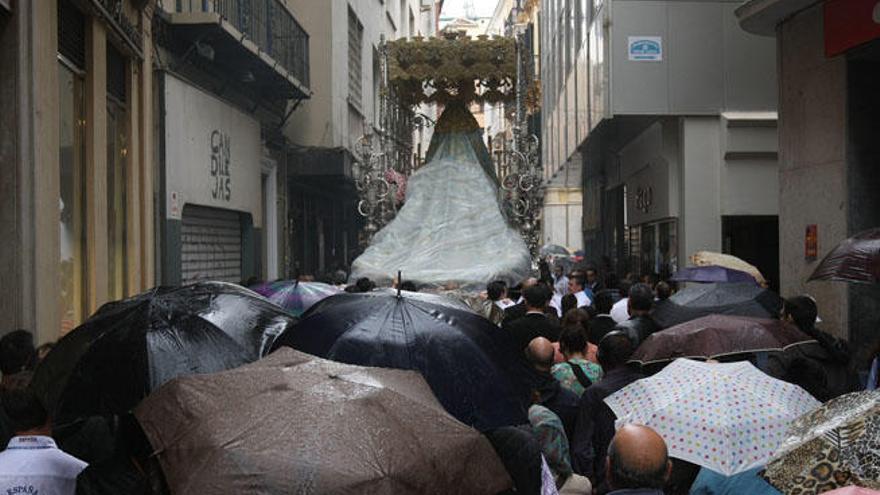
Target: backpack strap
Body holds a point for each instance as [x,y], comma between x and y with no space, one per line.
[582,377]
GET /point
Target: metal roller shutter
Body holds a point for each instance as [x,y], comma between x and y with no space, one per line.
[210,245]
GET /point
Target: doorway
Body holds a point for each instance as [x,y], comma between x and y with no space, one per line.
[754,239]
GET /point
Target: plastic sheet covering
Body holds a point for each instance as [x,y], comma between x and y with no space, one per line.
[695,301]
[450,230]
[469,363]
[833,446]
[296,424]
[715,336]
[128,348]
[856,259]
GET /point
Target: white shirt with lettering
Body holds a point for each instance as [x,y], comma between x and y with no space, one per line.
[34,465]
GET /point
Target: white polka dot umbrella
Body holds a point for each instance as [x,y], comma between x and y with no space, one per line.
[727,417]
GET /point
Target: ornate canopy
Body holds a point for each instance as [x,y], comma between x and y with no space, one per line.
[437,70]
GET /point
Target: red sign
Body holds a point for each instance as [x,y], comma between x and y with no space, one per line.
[811,243]
[850,23]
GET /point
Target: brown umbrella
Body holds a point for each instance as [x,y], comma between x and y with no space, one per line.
[293,423]
[856,259]
[835,445]
[715,336]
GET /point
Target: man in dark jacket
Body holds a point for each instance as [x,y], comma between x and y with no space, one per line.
[549,393]
[594,428]
[639,325]
[518,310]
[535,322]
[602,323]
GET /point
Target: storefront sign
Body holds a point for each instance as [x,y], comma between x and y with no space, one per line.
[213,153]
[644,198]
[645,48]
[811,243]
[849,23]
[221,180]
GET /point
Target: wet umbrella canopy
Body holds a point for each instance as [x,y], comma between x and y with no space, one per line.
[128,348]
[715,336]
[295,296]
[856,259]
[740,299]
[469,363]
[712,273]
[296,424]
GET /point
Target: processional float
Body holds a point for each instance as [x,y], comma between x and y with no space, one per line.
[416,71]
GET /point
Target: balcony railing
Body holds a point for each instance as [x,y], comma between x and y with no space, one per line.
[268,24]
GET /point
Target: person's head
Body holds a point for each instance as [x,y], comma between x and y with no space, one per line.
[409,285]
[529,282]
[573,340]
[17,352]
[568,303]
[591,275]
[637,458]
[540,354]
[641,299]
[364,284]
[614,350]
[576,316]
[663,291]
[558,270]
[603,302]
[576,283]
[800,310]
[537,297]
[496,290]
[623,286]
[25,412]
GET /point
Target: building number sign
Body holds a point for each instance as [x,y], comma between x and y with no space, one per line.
[221,180]
[644,198]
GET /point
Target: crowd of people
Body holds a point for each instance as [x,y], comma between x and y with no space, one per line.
[579,336]
[575,331]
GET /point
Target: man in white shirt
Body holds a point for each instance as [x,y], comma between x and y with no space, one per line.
[32,463]
[560,281]
[576,286]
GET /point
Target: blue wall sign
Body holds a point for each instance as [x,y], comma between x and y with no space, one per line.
[645,48]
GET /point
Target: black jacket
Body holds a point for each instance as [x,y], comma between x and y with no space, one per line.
[638,328]
[562,401]
[594,428]
[600,325]
[523,330]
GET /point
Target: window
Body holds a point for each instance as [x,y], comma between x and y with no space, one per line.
[72,200]
[412,24]
[402,18]
[355,60]
[117,174]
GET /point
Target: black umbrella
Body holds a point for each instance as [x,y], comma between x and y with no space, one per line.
[695,301]
[469,363]
[856,259]
[128,348]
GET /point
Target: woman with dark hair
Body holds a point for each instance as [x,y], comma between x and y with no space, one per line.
[577,372]
[821,368]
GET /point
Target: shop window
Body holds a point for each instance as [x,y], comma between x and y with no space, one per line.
[72,202]
[117,174]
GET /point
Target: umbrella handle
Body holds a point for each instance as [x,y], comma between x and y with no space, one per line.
[398,283]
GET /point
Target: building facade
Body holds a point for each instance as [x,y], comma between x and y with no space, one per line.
[346,74]
[665,111]
[76,221]
[829,65]
[225,86]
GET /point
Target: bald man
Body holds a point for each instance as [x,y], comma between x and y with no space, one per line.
[637,463]
[547,390]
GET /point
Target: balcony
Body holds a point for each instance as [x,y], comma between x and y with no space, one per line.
[259,38]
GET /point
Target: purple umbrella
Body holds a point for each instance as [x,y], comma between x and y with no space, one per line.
[294,296]
[712,274]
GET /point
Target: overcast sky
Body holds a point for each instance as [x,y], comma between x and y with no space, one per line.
[456,8]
